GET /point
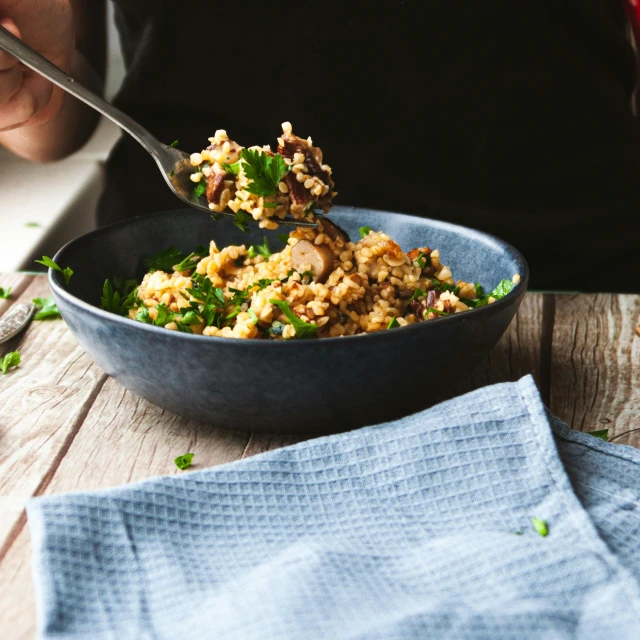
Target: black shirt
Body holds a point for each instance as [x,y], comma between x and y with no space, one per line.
[510,118]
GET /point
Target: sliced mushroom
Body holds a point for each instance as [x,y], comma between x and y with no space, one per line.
[333,230]
[318,256]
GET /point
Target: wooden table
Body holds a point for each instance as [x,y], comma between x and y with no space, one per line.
[66,426]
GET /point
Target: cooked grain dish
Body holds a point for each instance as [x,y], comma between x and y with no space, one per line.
[319,284]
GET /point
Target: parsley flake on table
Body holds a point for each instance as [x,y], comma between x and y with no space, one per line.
[364,231]
[264,171]
[11,359]
[4,293]
[540,526]
[303,329]
[184,462]
[163,260]
[67,272]
[603,434]
[47,308]
[32,224]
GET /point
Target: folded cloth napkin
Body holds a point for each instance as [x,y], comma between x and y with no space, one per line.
[418,528]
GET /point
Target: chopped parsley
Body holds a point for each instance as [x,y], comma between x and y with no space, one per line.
[270,205]
[241,219]
[253,315]
[540,526]
[4,293]
[393,324]
[217,216]
[603,434]
[200,188]
[436,311]
[211,298]
[163,260]
[437,285]
[303,329]
[184,462]
[306,277]
[423,260]
[11,359]
[172,173]
[479,290]
[48,262]
[232,168]
[276,328]
[47,308]
[418,293]
[503,288]
[284,238]
[114,301]
[32,224]
[188,263]
[364,231]
[165,315]
[264,171]
[173,145]
[143,315]
[263,249]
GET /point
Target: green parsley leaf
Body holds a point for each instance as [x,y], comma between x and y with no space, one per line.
[393,324]
[303,329]
[32,224]
[184,462]
[11,359]
[265,172]
[189,263]
[503,288]
[311,206]
[217,216]
[232,168]
[306,277]
[165,315]
[143,315]
[276,328]
[190,318]
[253,315]
[116,301]
[163,260]
[241,219]
[603,434]
[270,205]
[540,526]
[47,308]
[124,286]
[200,188]
[437,311]
[263,249]
[364,231]
[201,250]
[48,262]
[418,293]
[479,290]
[423,260]
[173,145]
[172,173]
[251,252]
[4,293]
[283,237]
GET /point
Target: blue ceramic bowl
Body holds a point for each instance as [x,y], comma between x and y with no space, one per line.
[305,386]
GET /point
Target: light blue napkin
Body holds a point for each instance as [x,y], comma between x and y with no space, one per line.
[402,530]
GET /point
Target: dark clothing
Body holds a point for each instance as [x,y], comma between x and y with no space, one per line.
[510,118]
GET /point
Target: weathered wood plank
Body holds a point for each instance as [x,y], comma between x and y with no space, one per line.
[43,403]
[18,283]
[595,372]
[17,601]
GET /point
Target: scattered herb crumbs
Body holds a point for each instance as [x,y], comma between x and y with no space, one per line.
[173,145]
[540,526]
[517,533]
[479,290]
[251,252]
[32,224]
[284,238]
[184,462]
[143,316]
[232,168]
[216,216]
[4,293]
[303,329]
[11,359]
[364,231]
[270,205]
[603,434]
[253,315]
[241,220]
[423,260]
[172,173]
[393,324]
[66,272]
[264,172]
[418,293]
[47,308]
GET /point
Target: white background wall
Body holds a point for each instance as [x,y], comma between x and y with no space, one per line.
[59,197]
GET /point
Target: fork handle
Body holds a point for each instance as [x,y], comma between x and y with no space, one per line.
[48,70]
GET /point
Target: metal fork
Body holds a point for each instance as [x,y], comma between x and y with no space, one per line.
[174,164]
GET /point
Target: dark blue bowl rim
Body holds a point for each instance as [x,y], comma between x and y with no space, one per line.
[518,290]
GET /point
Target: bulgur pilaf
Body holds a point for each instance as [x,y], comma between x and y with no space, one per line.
[321,284]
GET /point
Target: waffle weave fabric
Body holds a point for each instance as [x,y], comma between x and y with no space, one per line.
[403,530]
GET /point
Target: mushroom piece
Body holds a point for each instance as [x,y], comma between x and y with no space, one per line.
[318,257]
[333,230]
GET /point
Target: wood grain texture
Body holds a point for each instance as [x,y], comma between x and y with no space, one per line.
[595,369]
[18,283]
[17,601]
[43,403]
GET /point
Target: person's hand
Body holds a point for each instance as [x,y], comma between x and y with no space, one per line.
[26,98]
